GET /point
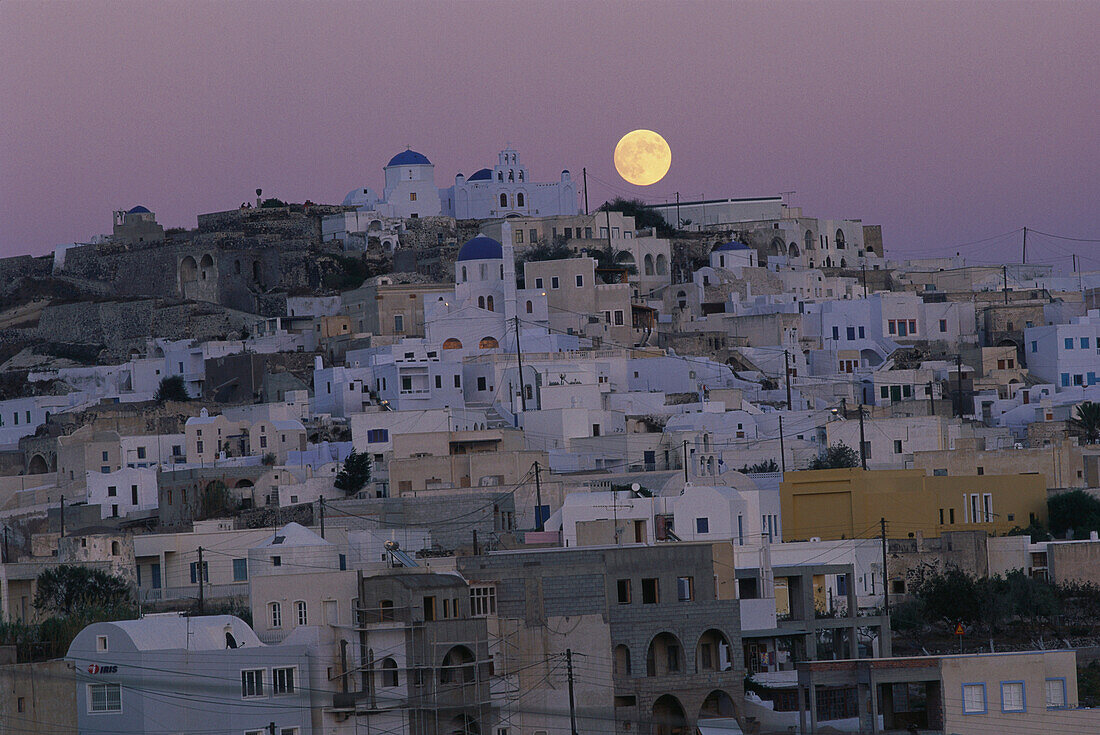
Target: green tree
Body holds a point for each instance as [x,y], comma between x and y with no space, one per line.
[171,388]
[355,473]
[1076,510]
[1034,529]
[769,465]
[838,455]
[77,591]
[1086,422]
[272,203]
[644,215]
[543,250]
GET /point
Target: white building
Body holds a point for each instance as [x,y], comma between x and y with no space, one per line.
[507,190]
[125,491]
[1067,355]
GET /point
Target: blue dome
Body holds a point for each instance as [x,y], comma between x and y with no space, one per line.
[481,248]
[482,175]
[732,246]
[409,158]
[139,210]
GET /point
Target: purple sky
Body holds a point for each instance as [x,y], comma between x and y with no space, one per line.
[944,123]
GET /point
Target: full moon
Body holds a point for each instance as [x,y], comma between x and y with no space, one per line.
[642,157]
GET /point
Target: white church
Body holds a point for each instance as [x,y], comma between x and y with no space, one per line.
[505,190]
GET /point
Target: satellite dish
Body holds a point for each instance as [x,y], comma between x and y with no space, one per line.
[392,545]
[635,487]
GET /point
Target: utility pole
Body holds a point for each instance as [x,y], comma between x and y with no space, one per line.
[862,442]
[6,557]
[572,705]
[885,576]
[584,175]
[1024,258]
[865,279]
[321,512]
[202,590]
[678,225]
[519,359]
[931,400]
[62,516]
[685,462]
[475,542]
[1004,269]
[271,728]
[959,382]
[538,500]
[787,370]
[782,452]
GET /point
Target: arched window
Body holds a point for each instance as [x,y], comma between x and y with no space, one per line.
[463,274]
[648,264]
[488,343]
[519,197]
[809,240]
[300,613]
[389,673]
[500,176]
[206,265]
[489,304]
[622,660]
[481,302]
[521,179]
[504,200]
[839,238]
[116,550]
[662,265]
[452,344]
[511,175]
[530,307]
[189,270]
[276,611]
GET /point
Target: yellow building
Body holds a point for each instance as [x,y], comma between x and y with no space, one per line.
[848,503]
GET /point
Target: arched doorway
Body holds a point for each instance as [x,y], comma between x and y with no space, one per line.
[458,666]
[452,344]
[189,270]
[713,652]
[622,660]
[488,343]
[664,656]
[38,465]
[717,704]
[668,716]
[464,725]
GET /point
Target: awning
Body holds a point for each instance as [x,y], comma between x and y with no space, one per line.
[718,726]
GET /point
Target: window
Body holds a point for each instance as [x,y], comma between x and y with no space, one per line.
[398,323]
[538,283]
[377,436]
[240,570]
[389,673]
[300,612]
[553,282]
[702,525]
[104,697]
[974,699]
[252,683]
[862,332]
[1069,343]
[650,591]
[623,589]
[141,452]
[685,589]
[580,281]
[276,615]
[429,609]
[195,572]
[892,326]
[282,681]
[101,643]
[618,317]
[1012,696]
[897,446]
[481,383]
[112,491]
[133,495]
[518,239]
[198,447]
[943,325]
[458,381]
[504,200]
[850,333]
[884,391]
[836,332]
[534,235]
[1056,693]
[263,441]
[483,601]
[1084,346]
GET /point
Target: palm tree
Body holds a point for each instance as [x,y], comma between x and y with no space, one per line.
[1086,423]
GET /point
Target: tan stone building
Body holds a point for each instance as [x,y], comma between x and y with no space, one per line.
[580,303]
[1061,464]
[382,307]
